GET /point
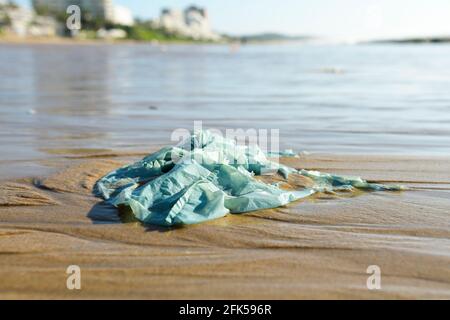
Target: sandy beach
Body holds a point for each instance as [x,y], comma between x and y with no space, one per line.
[70,114]
[317,248]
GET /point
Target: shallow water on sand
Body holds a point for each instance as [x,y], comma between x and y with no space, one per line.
[384,99]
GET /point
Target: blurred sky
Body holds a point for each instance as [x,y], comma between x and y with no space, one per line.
[341,19]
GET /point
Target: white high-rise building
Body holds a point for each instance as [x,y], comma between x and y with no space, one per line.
[20,19]
[123,16]
[198,22]
[52,5]
[98,8]
[193,22]
[172,20]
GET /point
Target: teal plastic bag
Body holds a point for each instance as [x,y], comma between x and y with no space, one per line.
[205,178]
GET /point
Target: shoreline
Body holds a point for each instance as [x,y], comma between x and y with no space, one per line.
[73,41]
[57,158]
[317,248]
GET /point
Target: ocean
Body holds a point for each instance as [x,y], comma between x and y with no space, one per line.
[339,99]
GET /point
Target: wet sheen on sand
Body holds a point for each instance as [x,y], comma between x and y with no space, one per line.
[318,248]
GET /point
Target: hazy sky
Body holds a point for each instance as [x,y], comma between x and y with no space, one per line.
[343,19]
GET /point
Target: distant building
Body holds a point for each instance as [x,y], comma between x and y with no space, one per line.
[192,22]
[19,20]
[104,9]
[123,16]
[44,27]
[172,21]
[51,5]
[198,21]
[24,22]
[99,8]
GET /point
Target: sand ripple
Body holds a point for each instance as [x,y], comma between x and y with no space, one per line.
[15,194]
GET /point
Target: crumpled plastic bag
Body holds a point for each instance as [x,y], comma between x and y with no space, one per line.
[205,178]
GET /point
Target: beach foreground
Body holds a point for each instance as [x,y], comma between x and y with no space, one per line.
[317,248]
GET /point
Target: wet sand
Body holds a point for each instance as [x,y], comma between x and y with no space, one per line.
[317,248]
